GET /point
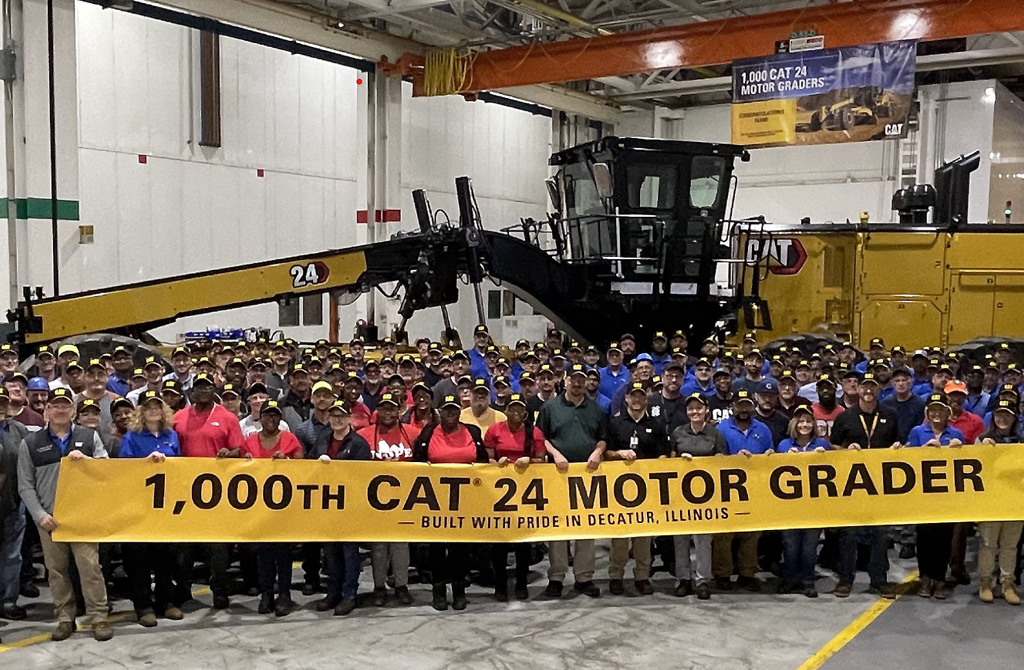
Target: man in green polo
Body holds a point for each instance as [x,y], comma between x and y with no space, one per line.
[576,428]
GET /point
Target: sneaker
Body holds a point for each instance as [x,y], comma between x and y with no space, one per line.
[723,584]
[459,598]
[102,632]
[683,589]
[403,595]
[63,631]
[345,607]
[266,605]
[907,551]
[220,602]
[440,602]
[379,597]
[588,589]
[843,590]
[811,592]
[173,613]
[522,593]
[553,590]
[327,604]
[1010,593]
[147,620]
[927,588]
[310,589]
[29,590]
[284,605]
[985,593]
[643,587]
[615,587]
[752,584]
[703,591]
[13,612]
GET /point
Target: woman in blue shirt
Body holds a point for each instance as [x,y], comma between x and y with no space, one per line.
[800,547]
[150,436]
[934,540]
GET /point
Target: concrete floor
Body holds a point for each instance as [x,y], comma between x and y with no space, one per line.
[736,630]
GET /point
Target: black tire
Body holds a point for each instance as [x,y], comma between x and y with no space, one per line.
[847,120]
[815,122]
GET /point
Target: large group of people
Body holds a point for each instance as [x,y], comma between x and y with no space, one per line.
[554,402]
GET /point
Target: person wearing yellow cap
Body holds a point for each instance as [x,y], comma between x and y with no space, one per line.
[45,364]
[71,372]
[181,369]
[12,512]
[96,390]
[153,369]
[479,413]
[280,362]
[999,539]
[297,402]
[39,460]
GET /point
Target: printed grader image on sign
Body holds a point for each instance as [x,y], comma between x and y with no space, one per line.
[851,94]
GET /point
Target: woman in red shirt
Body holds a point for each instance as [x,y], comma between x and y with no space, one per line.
[449,441]
[273,558]
[422,413]
[516,441]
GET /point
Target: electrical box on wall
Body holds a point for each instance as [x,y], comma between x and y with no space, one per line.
[85,234]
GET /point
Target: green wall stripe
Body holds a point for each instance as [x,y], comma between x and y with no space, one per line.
[39,208]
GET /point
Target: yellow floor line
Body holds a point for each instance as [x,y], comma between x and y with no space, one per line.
[856,627]
[27,642]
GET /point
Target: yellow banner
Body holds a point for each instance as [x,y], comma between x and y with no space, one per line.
[207,500]
[764,122]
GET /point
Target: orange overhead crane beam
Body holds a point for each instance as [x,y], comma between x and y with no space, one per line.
[717,42]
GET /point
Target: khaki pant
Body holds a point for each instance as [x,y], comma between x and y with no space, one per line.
[746,555]
[998,539]
[57,556]
[620,556]
[582,561]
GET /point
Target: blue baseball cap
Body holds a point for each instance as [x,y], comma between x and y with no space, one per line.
[643,357]
[767,386]
[37,384]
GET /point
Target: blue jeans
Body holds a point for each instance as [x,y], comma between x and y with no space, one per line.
[800,555]
[12,530]
[343,569]
[877,538]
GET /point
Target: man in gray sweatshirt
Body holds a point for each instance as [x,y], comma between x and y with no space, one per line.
[39,458]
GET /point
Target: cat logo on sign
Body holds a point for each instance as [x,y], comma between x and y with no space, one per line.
[782,255]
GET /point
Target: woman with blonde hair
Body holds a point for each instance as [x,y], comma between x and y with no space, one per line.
[151,436]
[800,547]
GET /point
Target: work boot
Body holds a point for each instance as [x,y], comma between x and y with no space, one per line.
[703,591]
[985,592]
[345,607]
[843,590]
[927,588]
[683,589]
[174,613]
[440,602]
[328,603]
[588,589]
[522,593]
[63,631]
[404,597]
[1010,592]
[459,597]
[102,632]
[643,587]
[810,592]
[284,605]
[147,620]
[29,590]
[266,605]
[379,597]
[752,584]
[13,612]
[553,590]
[501,595]
[723,584]
[615,587]
[220,601]
[310,588]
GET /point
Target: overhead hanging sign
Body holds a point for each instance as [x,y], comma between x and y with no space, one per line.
[267,500]
[851,94]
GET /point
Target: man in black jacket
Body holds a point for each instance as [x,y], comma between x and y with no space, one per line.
[12,512]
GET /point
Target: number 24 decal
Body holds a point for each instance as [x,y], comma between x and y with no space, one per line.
[310,274]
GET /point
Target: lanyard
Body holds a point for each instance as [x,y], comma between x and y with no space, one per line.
[864,424]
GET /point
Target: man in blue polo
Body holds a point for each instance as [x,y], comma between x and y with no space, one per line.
[614,376]
[744,435]
[477,355]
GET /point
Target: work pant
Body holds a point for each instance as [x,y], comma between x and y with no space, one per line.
[722,565]
[998,540]
[248,564]
[12,531]
[58,557]
[28,543]
[394,555]
[958,549]
[934,541]
[699,567]
[620,556]
[449,562]
[877,539]
[311,563]
[800,555]
[343,569]
[147,563]
[583,560]
[274,562]
[218,559]
[499,561]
